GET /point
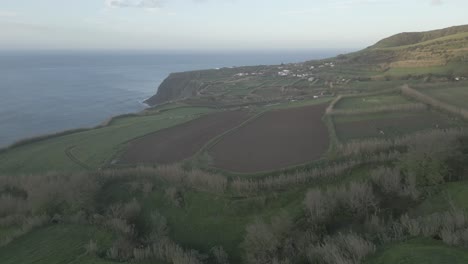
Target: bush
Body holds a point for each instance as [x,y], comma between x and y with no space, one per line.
[356,199]
[341,249]
[263,243]
[158,227]
[319,205]
[427,162]
[219,255]
[391,182]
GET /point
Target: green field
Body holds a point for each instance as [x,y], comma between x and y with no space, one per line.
[369,102]
[451,194]
[94,148]
[449,69]
[390,125]
[55,244]
[420,251]
[454,94]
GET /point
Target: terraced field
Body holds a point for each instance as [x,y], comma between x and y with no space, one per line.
[454,94]
[373,101]
[388,125]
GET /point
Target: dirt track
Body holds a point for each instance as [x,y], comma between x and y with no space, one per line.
[273,141]
[181,142]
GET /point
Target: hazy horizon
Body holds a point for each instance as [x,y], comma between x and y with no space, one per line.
[207,25]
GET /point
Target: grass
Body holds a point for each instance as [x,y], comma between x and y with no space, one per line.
[437,41]
[55,244]
[450,194]
[392,124]
[450,68]
[301,103]
[209,220]
[368,102]
[95,147]
[375,86]
[456,95]
[420,251]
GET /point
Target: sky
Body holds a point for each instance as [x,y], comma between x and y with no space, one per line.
[217,24]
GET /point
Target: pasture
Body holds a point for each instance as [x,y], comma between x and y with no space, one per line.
[454,94]
[56,244]
[372,101]
[420,251]
[390,125]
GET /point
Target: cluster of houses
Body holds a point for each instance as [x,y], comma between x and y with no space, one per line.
[243,74]
[288,72]
[326,64]
[308,76]
[298,70]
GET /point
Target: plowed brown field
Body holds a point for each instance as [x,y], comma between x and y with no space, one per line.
[275,140]
[181,142]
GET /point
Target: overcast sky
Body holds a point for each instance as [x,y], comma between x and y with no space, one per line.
[217,24]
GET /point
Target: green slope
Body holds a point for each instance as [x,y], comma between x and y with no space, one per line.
[420,251]
[64,244]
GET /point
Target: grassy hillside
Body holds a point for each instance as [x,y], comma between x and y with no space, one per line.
[411,38]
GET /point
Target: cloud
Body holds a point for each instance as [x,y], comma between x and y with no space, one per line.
[436,2]
[145,4]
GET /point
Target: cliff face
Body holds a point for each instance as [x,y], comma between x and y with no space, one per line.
[176,86]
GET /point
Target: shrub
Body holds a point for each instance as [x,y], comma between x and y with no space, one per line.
[319,205]
[219,255]
[427,162]
[341,249]
[260,243]
[91,247]
[158,227]
[357,199]
[121,250]
[391,182]
[263,243]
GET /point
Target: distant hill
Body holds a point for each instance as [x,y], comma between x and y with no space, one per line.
[442,52]
[411,38]
[418,49]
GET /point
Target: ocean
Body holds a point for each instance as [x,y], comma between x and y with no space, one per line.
[48,92]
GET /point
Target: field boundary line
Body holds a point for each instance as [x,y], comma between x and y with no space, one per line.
[212,142]
[331,107]
[69,154]
[413,107]
[433,102]
[121,147]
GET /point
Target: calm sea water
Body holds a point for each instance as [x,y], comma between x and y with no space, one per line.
[47,92]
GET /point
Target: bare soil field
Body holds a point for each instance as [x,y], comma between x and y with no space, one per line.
[181,142]
[275,140]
